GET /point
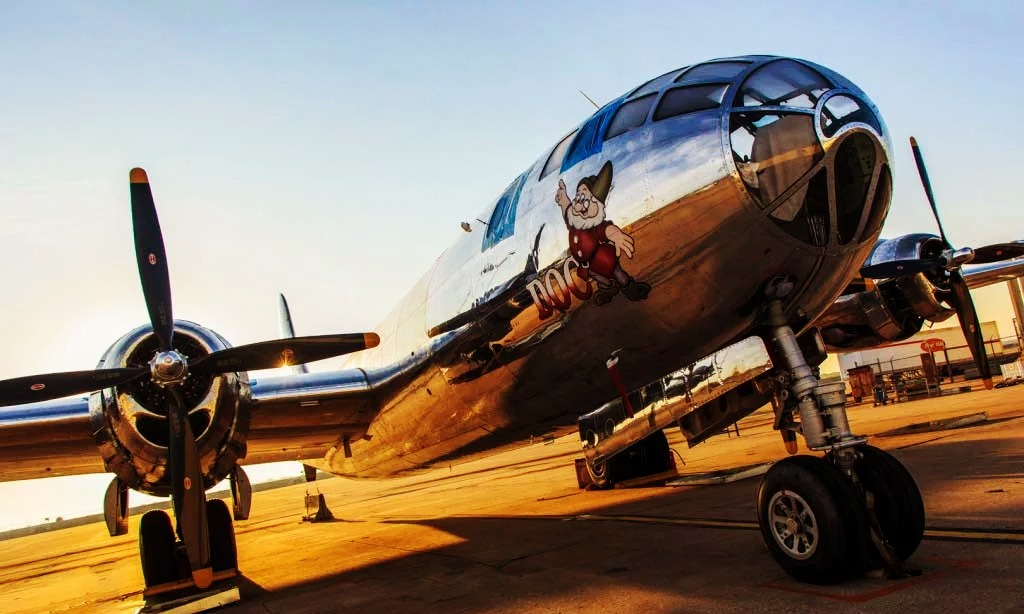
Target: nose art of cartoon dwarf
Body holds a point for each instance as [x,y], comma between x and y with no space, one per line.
[596,243]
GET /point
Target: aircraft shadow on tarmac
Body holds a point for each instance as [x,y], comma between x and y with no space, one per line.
[525,562]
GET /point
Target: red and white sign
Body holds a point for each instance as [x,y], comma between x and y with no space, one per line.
[933,345]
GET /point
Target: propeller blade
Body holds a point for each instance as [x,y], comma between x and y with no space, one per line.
[923,172]
[964,304]
[997,253]
[901,268]
[282,352]
[188,494]
[152,258]
[56,385]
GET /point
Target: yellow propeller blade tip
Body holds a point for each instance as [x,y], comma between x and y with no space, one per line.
[371,340]
[137,175]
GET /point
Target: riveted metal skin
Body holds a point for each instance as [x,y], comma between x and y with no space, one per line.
[502,340]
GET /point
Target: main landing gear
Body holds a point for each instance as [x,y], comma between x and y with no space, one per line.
[826,519]
[165,565]
[648,457]
[165,562]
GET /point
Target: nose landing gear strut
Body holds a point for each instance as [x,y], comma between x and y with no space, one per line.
[825,519]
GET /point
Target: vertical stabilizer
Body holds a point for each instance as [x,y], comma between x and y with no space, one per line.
[287,330]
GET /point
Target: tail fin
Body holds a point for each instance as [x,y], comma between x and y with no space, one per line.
[287,330]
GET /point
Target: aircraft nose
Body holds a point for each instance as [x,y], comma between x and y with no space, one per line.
[820,174]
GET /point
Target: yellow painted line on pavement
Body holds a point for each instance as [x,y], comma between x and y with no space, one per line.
[950,534]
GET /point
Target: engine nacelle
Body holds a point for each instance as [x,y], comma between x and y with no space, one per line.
[129,422]
[893,309]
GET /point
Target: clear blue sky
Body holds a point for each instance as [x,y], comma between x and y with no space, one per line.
[330,150]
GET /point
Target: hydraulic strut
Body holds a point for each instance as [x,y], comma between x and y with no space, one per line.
[822,405]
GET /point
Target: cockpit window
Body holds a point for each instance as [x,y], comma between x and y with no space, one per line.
[783,82]
[655,84]
[841,110]
[687,99]
[629,116]
[713,71]
[503,219]
[557,155]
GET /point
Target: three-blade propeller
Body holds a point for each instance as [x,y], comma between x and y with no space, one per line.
[168,369]
[951,260]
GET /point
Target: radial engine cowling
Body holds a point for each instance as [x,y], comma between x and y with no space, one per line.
[893,309]
[129,423]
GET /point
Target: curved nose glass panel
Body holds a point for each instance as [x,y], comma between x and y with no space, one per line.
[713,71]
[840,110]
[804,215]
[785,83]
[774,152]
[854,166]
[879,203]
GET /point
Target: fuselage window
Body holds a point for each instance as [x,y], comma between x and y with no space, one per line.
[557,155]
[785,83]
[688,99]
[588,140]
[629,116]
[503,219]
[713,71]
[655,84]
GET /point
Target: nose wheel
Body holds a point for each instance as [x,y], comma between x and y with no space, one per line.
[822,527]
[811,520]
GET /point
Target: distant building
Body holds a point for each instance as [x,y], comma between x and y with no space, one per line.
[906,355]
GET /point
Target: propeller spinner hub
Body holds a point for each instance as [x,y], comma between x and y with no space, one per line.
[168,368]
[959,257]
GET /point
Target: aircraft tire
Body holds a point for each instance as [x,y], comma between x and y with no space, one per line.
[223,552]
[156,548]
[648,456]
[898,504]
[812,520]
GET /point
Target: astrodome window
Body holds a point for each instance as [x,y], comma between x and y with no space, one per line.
[557,154]
[713,71]
[783,83]
[655,84]
[840,110]
[688,99]
[629,116]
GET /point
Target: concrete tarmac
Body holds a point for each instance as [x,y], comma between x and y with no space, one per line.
[512,533]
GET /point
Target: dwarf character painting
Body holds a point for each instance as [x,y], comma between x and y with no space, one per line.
[595,243]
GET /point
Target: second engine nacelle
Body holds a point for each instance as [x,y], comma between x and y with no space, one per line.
[891,309]
[129,423]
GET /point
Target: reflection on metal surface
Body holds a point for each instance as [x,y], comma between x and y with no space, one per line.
[506,338]
[129,423]
[608,430]
[494,345]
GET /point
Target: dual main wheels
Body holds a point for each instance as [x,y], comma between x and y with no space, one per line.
[649,456]
[163,561]
[816,523]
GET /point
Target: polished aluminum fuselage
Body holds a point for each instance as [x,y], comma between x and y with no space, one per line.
[450,384]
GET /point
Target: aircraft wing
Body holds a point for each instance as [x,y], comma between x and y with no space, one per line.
[978,275]
[301,416]
[39,440]
[293,417]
